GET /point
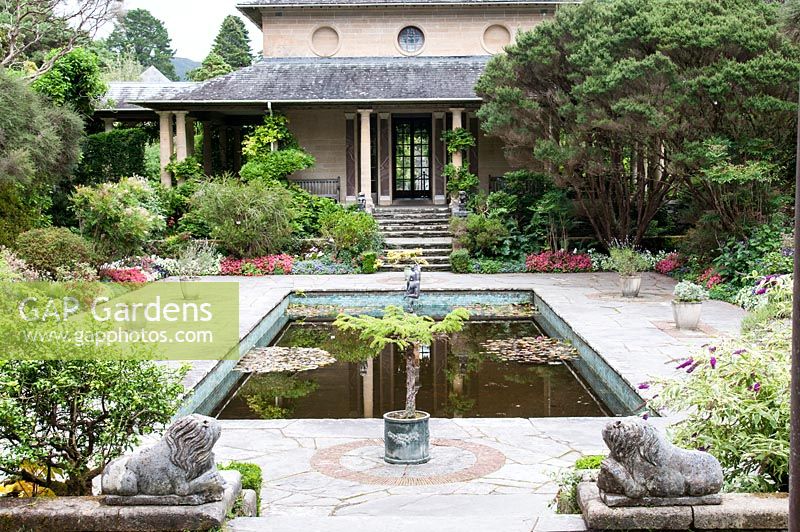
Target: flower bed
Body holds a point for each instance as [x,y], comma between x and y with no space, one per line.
[267,265]
[558,262]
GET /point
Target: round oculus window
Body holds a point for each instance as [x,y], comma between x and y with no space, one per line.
[411,39]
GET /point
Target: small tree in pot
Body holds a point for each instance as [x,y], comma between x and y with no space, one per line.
[407,438]
[687,304]
[628,263]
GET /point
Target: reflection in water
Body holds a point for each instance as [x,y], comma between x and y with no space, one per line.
[457,380]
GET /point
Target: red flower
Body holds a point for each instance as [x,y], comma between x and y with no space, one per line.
[669,264]
[124,275]
[267,265]
[558,262]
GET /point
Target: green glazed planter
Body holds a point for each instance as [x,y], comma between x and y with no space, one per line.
[406,441]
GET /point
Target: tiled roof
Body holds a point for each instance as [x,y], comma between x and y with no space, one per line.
[356,79]
[121,93]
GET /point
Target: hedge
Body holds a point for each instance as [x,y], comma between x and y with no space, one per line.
[112,155]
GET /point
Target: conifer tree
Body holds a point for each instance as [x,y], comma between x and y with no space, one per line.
[233,44]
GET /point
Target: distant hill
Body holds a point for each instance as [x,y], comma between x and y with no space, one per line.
[182,66]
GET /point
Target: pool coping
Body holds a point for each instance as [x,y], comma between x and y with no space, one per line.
[588,315]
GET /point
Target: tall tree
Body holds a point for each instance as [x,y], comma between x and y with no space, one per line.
[213,66]
[233,43]
[614,99]
[74,80]
[31,29]
[140,33]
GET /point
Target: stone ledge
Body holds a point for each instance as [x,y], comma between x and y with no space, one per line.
[66,514]
[745,511]
[598,516]
[738,511]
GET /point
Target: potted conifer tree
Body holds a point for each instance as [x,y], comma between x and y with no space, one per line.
[687,303]
[406,432]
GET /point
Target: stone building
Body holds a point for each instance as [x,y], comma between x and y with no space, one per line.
[368,86]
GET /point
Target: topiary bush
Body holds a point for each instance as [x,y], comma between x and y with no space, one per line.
[112,155]
[247,219]
[459,261]
[119,217]
[53,248]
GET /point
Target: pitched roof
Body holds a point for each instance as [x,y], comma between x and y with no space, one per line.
[346,79]
[153,75]
[121,93]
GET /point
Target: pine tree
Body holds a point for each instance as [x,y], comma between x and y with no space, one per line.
[140,33]
[213,66]
[233,44]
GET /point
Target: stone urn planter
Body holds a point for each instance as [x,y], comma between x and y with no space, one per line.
[630,285]
[188,289]
[687,304]
[687,314]
[406,441]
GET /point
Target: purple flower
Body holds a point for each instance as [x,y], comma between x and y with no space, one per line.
[740,351]
[644,386]
[712,349]
[646,416]
[693,367]
[686,364]
[713,362]
[757,387]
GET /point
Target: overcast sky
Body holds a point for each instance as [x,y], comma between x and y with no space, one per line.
[192,24]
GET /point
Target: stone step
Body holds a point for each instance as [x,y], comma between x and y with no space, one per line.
[426,252]
[435,259]
[479,519]
[413,209]
[411,215]
[418,233]
[418,243]
[411,227]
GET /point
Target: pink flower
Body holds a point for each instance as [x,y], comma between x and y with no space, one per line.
[124,275]
[713,362]
[558,262]
[644,386]
[267,265]
[710,277]
[669,264]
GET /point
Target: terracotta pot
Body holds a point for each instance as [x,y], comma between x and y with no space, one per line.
[686,314]
[406,441]
[630,285]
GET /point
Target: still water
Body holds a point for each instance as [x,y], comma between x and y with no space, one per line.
[457,379]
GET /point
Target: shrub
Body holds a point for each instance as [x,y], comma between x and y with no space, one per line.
[321,266]
[484,236]
[352,233]
[123,275]
[119,217]
[736,401]
[252,477]
[688,292]
[566,500]
[627,261]
[138,269]
[197,258]
[369,262]
[459,261]
[558,262]
[268,265]
[52,248]
[669,264]
[13,268]
[458,139]
[248,220]
[71,417]
[112,155]
[740,257]
[710,278]
[189,168]
[460,178]
[277,165]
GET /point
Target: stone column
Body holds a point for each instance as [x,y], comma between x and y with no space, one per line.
[439,159]
[165,123]
[368,390]
[351,165]
[181,145]
[365,168]
[384,159]
[208,156]
[108,124]
[190,122]
[458,158]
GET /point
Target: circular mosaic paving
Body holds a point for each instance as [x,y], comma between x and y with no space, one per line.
[451,461]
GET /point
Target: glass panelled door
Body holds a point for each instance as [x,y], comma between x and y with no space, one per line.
[412,157]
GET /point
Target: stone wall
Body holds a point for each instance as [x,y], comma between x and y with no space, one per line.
[491,161]
[342,32]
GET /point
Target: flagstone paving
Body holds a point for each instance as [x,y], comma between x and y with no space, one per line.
[312,467]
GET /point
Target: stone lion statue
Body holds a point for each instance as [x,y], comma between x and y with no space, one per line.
[179,469]
[642,463]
